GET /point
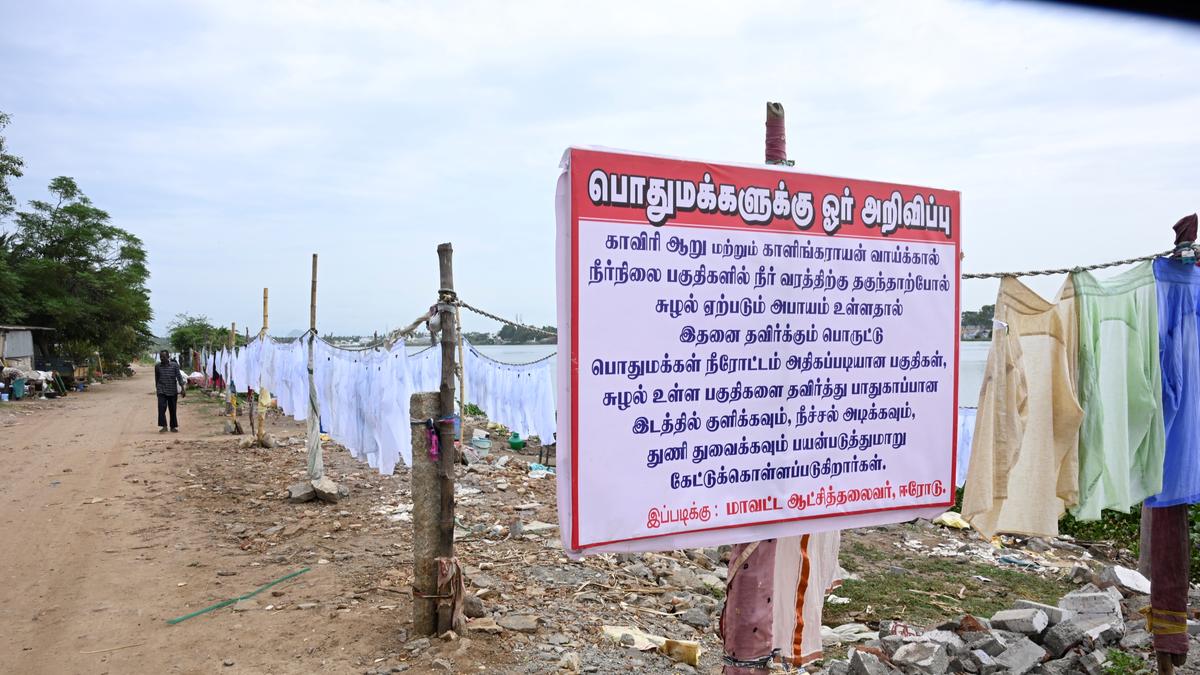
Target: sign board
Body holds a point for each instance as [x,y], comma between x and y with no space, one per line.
[752,351]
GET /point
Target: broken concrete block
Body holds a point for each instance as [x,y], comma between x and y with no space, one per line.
[950,640]
[1025,621]
[1068,665]
[1062,637]
[922,657]
[1021,657]
[1093,663]
[982,660]
[301,492]
[1097,634]
[1092,606]
[1129,582]
[1054,615]
[987,644]
[1135,640]
[866,663]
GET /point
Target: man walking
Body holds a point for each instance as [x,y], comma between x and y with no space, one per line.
[169,384]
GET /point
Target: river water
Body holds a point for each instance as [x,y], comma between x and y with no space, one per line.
[972,356]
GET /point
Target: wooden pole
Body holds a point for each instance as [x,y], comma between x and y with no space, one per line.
[264,396]
[229,379]
[448,456]
[427,498]
[316,462]
[462,367]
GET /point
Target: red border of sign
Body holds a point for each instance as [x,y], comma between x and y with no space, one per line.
[574,356]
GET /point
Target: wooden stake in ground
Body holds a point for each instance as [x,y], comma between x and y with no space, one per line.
[437,579]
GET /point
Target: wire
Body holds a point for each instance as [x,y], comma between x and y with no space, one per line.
[1068,270]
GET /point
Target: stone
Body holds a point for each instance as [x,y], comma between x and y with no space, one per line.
[569,662]
[1054,615]
[1037,545]
[327,490]
[485,625]
[987,644]
[1129,582]
[890,644]
[1093,663]
[639,570]
[473,607]
[443,665]
[1080,574]
[521,623]
[245,605]
[982,660]
[1026,621]
[307,605]
[1136,639]
[1064,666]
[228,663]
[272,531]
[417,645]
[1100,633]
[923,657]
[1193,627]
[865,663]
[1021,657]
[1062,637]
[1092,606]
[301,492]
[838,668]
[695,617]
[683,578]
[950,640]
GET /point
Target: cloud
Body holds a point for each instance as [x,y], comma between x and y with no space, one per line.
[236,138]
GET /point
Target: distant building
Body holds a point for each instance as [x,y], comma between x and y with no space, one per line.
[19,349]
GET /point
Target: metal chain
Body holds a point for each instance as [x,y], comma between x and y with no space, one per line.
[1068,270]
[514,324]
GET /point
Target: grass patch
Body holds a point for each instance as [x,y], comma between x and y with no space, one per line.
[933,590]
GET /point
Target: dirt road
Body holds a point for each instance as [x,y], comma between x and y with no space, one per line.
[108,529]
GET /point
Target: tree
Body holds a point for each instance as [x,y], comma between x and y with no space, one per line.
[193,333]
[10,283]
[522,334]
[10,292]
[980,319]
[81,275]
[10,167]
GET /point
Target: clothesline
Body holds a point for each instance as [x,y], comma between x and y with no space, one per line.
[1068,270]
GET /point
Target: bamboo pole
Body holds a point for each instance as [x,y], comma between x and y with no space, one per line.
[316,462]
[264,395]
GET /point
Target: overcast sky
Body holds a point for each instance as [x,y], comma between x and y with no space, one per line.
[237,138]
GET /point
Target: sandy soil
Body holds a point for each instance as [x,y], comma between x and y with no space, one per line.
[110,529]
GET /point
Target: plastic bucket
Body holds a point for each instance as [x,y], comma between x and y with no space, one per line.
[4,396]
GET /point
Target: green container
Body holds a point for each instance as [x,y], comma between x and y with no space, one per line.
[18,388]
[516,442]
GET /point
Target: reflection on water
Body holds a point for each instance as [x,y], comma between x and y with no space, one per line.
[971,359]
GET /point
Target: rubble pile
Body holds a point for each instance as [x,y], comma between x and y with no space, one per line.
[1078,635]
